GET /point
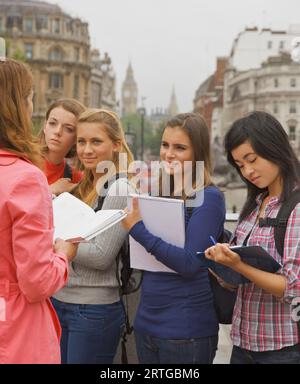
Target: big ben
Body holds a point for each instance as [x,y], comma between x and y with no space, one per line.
[129,93]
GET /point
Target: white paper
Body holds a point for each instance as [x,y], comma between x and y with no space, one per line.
[74,219]
[163,218]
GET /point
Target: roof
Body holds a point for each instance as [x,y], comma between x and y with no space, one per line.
[20,7]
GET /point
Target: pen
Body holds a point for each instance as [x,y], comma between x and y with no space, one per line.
[212,240]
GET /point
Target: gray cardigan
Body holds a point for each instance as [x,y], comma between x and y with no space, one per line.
[92,276]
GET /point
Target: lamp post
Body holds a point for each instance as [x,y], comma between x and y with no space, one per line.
[142,112]
[130,139]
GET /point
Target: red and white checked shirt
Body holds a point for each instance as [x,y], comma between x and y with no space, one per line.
[261,322]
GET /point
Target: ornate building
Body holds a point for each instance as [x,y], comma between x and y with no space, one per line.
[129,93]
[103,82]
[162,115]
[173,107]
[57,48]
[209,98]
[274,88]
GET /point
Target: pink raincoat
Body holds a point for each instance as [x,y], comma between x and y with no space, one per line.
[30,271]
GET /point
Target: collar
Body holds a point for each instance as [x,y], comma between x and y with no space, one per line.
[272,202]
[8,158]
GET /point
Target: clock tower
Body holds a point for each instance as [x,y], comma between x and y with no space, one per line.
[129,93]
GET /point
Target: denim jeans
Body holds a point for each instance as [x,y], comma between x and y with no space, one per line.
[287,355]
[152,350]
[90,333]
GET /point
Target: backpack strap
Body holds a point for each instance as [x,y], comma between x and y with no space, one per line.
[67,171]
[281,220]
[106,188]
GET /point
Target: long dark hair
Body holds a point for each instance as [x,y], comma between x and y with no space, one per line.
[195,127]
[270,141]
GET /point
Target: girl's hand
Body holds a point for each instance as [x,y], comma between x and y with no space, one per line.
[133,216]
[67,248]
[62,185]
[221,253]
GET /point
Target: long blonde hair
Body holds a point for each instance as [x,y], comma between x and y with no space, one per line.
[16,136]
[86,191]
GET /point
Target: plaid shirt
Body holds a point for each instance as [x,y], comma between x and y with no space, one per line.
[261,322]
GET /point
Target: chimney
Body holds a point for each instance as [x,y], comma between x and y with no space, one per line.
[221,66]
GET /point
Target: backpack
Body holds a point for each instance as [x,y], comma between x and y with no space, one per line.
[129,279]
[68,172]
[224,299]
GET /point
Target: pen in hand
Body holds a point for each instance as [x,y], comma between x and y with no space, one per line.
[212,239]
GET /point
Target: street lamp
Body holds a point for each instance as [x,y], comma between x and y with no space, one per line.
[130,139]
[142,112]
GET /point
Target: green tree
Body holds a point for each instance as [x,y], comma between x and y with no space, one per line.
[133,124]
[19,55]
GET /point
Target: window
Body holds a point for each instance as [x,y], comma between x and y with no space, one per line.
[270,44]
[76,87]
[275,107]
[28,25]
[42,22]
[56,55]
[293,83]
[77,54]
[1,24]
[281,45]
[293,107]
[276,83]
[56,81]
[28,50]
[56,25]
[292,133]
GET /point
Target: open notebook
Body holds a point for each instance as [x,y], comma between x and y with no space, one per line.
[253,255]
[76,221]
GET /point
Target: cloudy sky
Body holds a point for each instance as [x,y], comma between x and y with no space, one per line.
[173,42]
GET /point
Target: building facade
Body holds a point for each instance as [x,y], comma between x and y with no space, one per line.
[103,82]
[261,73]
[274,88]
[209,98]
[55,45]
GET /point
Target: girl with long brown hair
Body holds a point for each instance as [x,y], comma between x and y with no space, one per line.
[32,269]
[176,321]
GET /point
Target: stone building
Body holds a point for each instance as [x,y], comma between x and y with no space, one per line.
[274,88]
[103,82]
[129,93]
[261,73]
[209,98]
[57,48]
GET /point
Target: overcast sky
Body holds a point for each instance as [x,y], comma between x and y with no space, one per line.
[173,42]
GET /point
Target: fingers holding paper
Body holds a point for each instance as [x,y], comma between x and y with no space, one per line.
[133,215]
[221,253]
[65,247]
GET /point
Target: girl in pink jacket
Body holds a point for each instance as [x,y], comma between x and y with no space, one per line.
[31,269]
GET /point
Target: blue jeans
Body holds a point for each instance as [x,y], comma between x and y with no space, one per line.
[287,355]
[90,333]
[152,350]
